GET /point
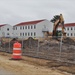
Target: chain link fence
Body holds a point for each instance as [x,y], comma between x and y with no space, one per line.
[61,49]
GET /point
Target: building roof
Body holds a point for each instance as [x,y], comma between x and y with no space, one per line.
[29,23]
[68,25]
[2,25]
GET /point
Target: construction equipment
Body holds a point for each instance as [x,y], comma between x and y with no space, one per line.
[58,20]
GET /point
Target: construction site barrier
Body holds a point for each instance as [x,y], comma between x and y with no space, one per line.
[17,51]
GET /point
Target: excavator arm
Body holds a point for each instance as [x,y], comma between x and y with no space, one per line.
[62,23]
[56,24]
[58,20]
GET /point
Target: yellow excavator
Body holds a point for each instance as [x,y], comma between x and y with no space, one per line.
[57,20]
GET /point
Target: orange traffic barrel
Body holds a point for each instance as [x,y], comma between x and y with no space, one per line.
[17,51]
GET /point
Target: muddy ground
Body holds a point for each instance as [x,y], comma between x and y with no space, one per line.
[34,66]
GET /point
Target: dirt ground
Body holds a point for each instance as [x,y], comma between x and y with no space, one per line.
[33,66]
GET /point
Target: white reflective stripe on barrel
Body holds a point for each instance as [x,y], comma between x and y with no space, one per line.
[16,53]
[16,48]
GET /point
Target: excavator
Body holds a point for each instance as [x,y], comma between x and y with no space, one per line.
[57,20]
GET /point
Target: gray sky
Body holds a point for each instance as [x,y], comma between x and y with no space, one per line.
[16,11]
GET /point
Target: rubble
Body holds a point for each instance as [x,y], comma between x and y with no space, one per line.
[68,40]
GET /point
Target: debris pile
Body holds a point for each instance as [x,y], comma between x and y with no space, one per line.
[68,40]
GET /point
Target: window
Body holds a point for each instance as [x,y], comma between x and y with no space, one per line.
[25,27]
[31,34]
[34,26]
[34,34]
[67,34]
[25,34]
[71,28]
[31,27]
[16,28]
[28,34]
[28,27]
[7,29]
[20,27]
[67,28]
[71,34]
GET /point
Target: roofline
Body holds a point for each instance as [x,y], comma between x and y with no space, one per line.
[3,25]
[68,25]
[29,22]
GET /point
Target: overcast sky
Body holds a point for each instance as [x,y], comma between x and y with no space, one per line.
[16,11]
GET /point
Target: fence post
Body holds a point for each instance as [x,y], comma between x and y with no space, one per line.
[9,45]
[22,45]
[37,49]
[74,55]
[60,47]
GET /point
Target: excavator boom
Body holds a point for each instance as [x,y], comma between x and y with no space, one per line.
[58,20]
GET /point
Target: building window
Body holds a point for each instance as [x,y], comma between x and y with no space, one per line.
[28,27]
[25,27]
[16,28]
[31,33]
[71,34]
[28,34]
[34,26]
[25,34]
[34,34]
[71,28]
[67,34]
[20,28]
[7,29]
[68,28]
[31,27]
